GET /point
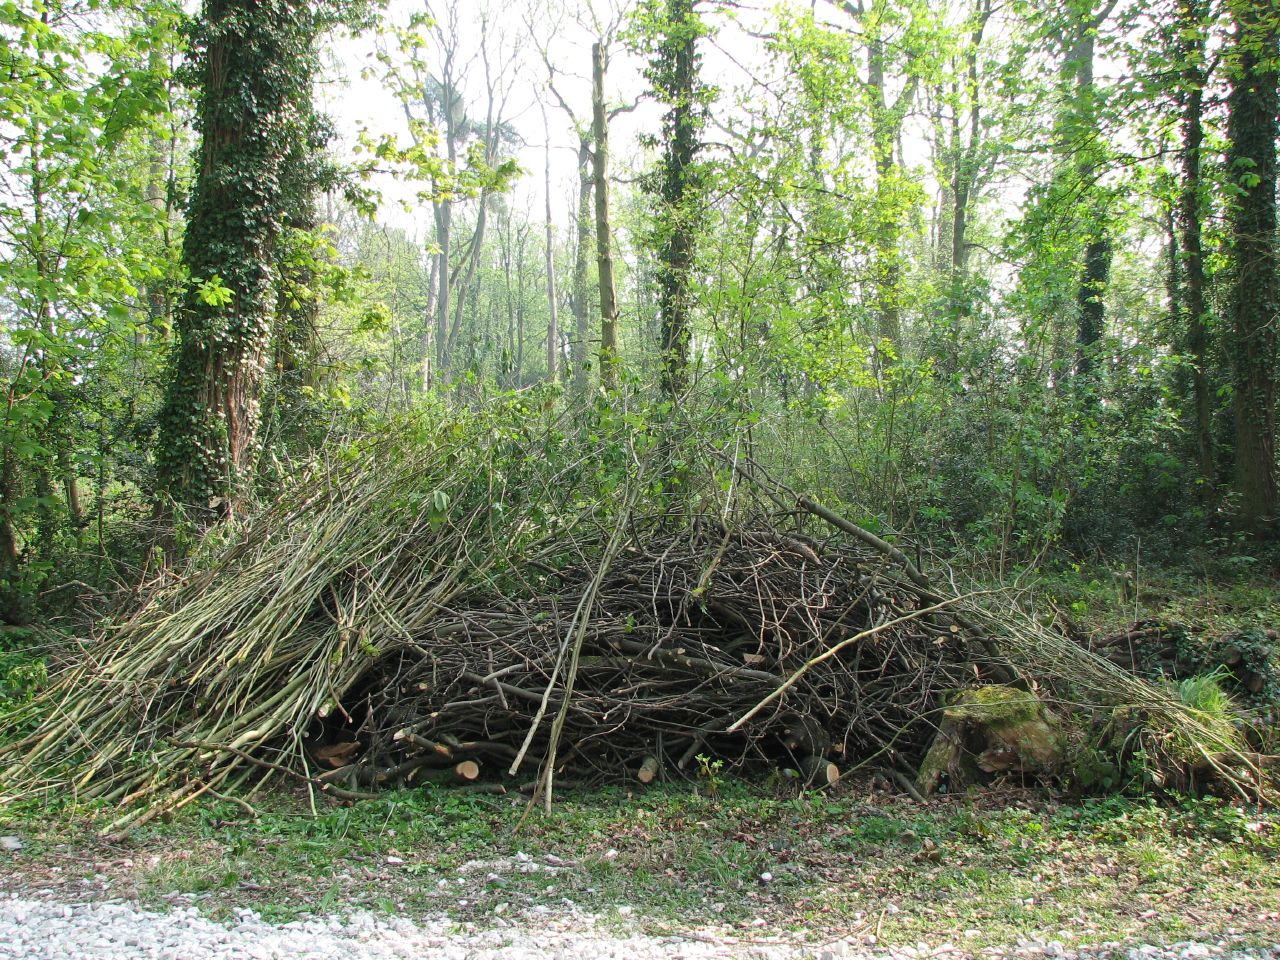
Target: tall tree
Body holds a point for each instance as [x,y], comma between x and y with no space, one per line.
[1080,135]
[967,158]
[877,21]
[676,185]
[254,63]
[553,316]
[456,116]
[610,355]
[1192,30]
[1252,128]
[603,31]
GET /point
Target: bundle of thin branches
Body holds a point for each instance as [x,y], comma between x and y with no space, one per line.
[271,631]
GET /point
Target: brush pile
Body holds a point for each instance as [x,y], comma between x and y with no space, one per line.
[511,604]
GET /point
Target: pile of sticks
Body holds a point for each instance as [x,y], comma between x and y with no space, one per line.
[509,603]
[763,650]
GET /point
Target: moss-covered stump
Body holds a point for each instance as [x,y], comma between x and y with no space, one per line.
[991,730]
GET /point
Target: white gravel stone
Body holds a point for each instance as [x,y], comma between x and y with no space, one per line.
[49,930]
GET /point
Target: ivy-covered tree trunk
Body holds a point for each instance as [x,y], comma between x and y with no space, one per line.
[254,64]
[1193,307]
[1091,325]
[1255,298]
[1095,272]
[674,73]
[290,417]
[12,609]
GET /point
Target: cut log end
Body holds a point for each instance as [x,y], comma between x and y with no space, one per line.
[467,770]
[819,772]
[648,771]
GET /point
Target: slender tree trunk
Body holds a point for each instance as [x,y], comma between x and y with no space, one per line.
[610,355]
[886,145]
[966,168]
[157,195]
[946,155]
[508,278]
[553,318]
[428,327]
[581,268]
[1252,129]
[1193,309]
[449,107]
[521,239]
[466,289]
[444,224]
[888,228]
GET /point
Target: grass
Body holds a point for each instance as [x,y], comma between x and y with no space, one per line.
[993,868]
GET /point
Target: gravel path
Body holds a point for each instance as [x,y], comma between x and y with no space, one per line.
[44,930]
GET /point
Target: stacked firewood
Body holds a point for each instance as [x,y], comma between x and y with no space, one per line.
[684,637]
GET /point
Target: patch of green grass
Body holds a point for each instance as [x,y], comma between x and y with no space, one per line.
[829,863]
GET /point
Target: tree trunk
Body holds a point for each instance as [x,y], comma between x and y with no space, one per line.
[444,224]
[428,327]
[678,195]
[886,142]
[609,352]
[553,320]
[467,287]
[1255,297]
[12,609]
[157,195]
[966,168]
[296,333]
[522,236]
[1193,310]
[581,267]
[946,156]
[255,79]
[888,229]
[1095,272]
[1089,302]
